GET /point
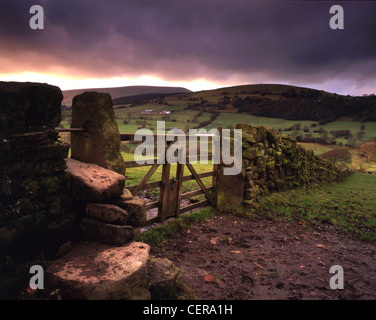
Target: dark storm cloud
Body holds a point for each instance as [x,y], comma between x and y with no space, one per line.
[184,40]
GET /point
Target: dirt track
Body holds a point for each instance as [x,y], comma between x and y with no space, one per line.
[242,258]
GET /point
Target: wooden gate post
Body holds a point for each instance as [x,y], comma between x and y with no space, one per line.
[217,168]
[164,192]
[179,178]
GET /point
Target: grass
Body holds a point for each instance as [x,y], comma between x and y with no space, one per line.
[135,175]
[157,236]
[349,206]
[356,156]
[182,119]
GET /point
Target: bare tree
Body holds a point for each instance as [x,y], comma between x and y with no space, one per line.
[368,150]
[361,165]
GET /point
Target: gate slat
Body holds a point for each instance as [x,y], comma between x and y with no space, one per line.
[152,205]
[193,193]
[145,179]
[194,206]
[194,173]
[134,164]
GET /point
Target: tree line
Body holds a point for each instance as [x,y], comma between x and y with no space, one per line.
[315,106]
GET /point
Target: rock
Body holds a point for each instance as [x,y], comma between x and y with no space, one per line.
[7,235]
[26,106]
[136,209]
[107,213]
[164,276]
[64,249]
[10,286]
[101,272]
[105,232]
[92,183]
[100,144]
[140,294]
[127,195]
[251,134]
[137,234]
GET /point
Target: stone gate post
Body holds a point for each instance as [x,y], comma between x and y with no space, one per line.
[100,143]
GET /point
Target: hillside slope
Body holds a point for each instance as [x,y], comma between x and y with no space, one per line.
[284,101]
[122,91]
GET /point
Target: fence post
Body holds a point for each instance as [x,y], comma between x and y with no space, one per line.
[164,192]
[179,178]
[217,167]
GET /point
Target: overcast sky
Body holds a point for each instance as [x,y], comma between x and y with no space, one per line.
[196,43]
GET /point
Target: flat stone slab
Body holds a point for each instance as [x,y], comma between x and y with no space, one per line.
[136,209]
[106,233]
[101,272]
[92,183]
[107,213]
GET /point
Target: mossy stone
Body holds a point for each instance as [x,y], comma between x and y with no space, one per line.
[26,106]
[100,144]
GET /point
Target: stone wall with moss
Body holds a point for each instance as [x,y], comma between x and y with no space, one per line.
[274,162]
[34,219]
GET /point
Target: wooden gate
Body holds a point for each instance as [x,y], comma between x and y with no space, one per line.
[171,189]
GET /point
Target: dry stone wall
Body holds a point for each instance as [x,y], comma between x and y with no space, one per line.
[274,162]
[33,203]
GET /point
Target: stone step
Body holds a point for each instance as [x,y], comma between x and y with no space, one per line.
[106,233]
[136,209]
[92,183]
[107,213]
[101,272]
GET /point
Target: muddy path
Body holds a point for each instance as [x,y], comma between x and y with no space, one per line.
[243,258]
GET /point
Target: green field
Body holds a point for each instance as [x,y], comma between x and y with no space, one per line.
[135,175]
[183,119]
[180,116]
[349,206]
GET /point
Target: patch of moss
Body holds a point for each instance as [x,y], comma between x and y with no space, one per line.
[156,236]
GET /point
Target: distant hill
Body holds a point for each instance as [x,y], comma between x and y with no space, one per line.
[284,101]
[141,99]
[123,92]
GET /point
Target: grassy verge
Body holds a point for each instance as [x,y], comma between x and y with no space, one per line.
[349,206]
[155,237]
